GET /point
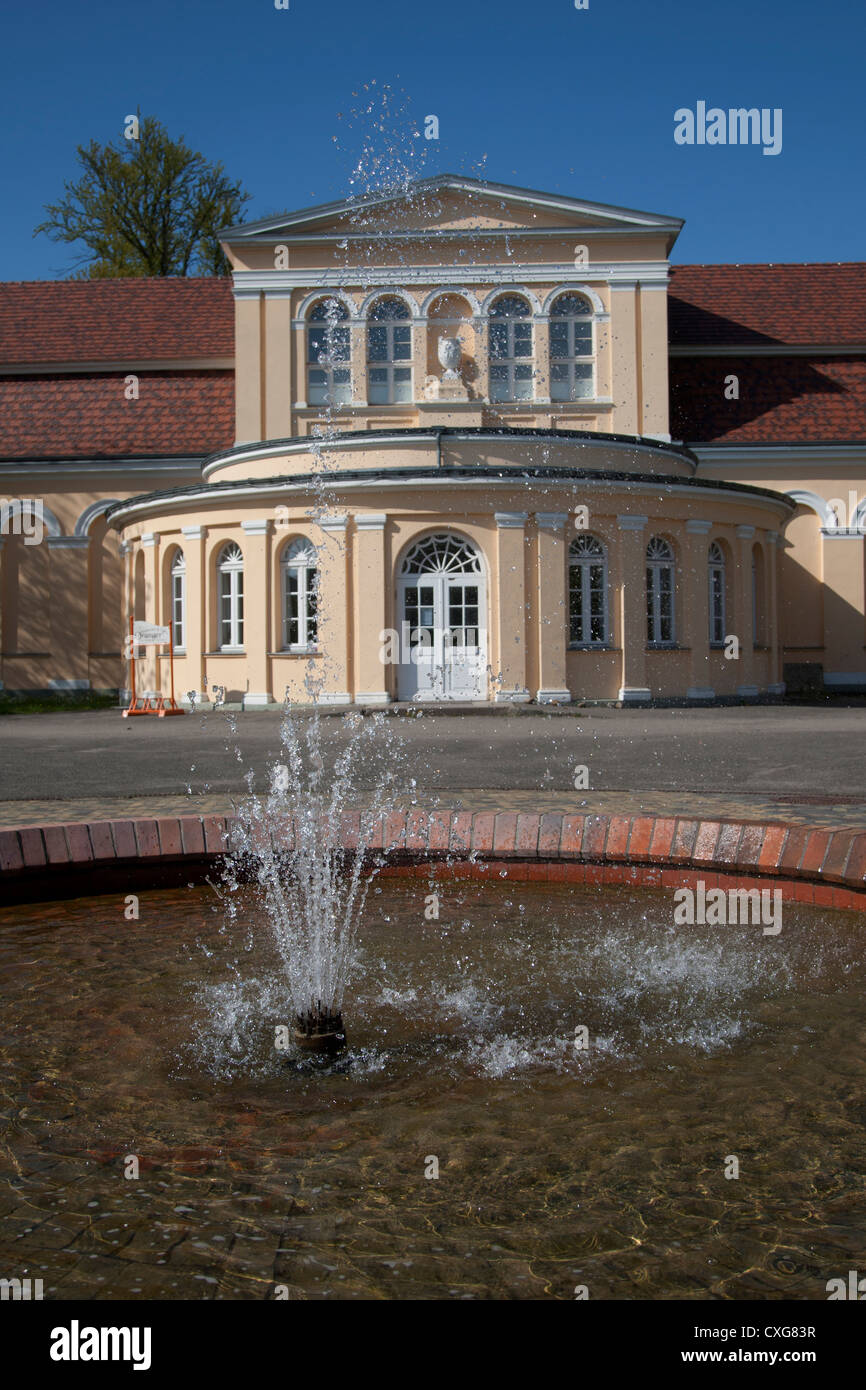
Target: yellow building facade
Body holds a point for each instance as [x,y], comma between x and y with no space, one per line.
[452,478]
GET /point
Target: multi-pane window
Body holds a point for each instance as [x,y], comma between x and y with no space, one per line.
[389,352]
[716,560]
[587,592]
[419,607]
[463,615]
[230,569]
[659,592]
[510,350]
[571,361]
[300,595]
[329,377]
[178,599]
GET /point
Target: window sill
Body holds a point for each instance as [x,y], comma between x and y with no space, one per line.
[228,651]
[297,651]
[665,647]
[592,647]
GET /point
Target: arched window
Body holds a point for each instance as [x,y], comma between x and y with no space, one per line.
[442,554]
[329,378]
[389,345]
[231,597]
[300,587]
[510,350]
[587,592]
[716,561]
[571,357]
[178,599]
[659,592]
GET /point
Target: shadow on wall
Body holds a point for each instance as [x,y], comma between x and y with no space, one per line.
[820,629]
[61,613]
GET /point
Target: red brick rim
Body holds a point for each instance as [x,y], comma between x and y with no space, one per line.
[808,863]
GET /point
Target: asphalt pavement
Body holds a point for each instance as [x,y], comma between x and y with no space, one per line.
[802,752]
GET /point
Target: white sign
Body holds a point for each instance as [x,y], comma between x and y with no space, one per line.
[148,634]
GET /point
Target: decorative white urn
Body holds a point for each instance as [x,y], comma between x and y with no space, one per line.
[450,353]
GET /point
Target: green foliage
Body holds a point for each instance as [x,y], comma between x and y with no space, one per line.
[44,702]
[143,207]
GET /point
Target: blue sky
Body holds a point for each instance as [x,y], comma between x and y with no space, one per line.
[537,94]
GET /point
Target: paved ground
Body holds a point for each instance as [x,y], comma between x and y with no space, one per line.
[797,763]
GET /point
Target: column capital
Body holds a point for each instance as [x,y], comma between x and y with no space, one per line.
[259,527]
[333,523]
[149,538]
[745,533]
[510,520]
[631,523]
[371,521]
[773,537]
[551,521]
[194,533]
[695,527]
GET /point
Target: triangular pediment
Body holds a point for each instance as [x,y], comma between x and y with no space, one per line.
[451,203]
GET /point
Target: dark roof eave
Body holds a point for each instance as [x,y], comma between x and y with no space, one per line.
[460,431]
[476,472]
[110,460]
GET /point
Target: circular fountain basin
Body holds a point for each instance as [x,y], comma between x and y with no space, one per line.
[544,1087]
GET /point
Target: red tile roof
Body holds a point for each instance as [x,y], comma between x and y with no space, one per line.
[747,305]
[87,416]
[81,415]
[111,320]
[793,400]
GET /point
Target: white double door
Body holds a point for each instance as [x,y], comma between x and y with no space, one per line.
[442,641]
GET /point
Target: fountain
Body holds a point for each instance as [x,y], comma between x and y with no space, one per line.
[314,860]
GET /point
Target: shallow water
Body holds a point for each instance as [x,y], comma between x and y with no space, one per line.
[558,1166]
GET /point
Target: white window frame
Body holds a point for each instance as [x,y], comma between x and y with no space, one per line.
[717,581]
[583,562]
[510,362]
[660,560]
[177,602]
[299,557]
[572,359]
[391,365]
[230,593]
[329,392]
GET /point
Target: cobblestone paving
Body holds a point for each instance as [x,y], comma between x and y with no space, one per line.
[817,811]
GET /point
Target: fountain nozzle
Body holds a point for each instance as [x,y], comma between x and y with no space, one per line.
[320,1031]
